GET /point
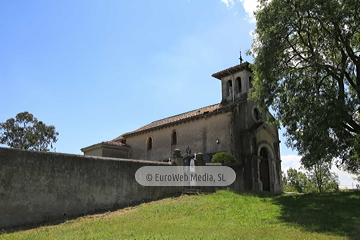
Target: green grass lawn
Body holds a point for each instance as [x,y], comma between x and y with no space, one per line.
[222,215]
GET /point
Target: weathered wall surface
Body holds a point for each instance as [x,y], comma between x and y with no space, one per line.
[36,186]
[200,135]
[115,152]
[95,152]
[107,150]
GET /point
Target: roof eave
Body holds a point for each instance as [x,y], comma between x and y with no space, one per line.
[103,144]
[172,123]
[232,70]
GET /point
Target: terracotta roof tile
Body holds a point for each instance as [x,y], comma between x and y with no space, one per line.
[177,118]
[115,143]
[104,143]
[118,139]
[187,115]
[121,140]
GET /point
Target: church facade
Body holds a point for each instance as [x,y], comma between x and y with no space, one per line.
[235,125]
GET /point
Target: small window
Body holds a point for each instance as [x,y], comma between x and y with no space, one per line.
[238,82]
[229,88]
[149,143]
[174,138]
[256,114]
[250,82]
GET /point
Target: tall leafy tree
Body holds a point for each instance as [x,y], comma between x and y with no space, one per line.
[317,178]
[307,68]
[321,179]
[27,132]
[295,179]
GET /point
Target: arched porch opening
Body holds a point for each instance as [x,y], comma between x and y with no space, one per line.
[264,169]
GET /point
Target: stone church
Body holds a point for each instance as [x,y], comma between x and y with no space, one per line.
[235,125]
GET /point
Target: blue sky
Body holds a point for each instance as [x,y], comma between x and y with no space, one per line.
[97,69]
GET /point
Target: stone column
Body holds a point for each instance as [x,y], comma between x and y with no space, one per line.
[177,159]
[279,185]
[257,182]
[200,161]
[272,176]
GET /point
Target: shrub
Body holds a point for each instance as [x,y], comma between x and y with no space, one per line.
[223,157]
[290,189]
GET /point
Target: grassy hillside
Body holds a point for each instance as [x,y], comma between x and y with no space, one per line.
[222,215]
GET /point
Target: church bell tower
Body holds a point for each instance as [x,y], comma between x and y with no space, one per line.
[253,142]
[235,82]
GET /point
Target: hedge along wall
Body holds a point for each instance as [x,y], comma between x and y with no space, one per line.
[38,186]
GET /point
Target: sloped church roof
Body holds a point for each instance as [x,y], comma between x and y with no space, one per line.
[191,114]
[197,113]
[194,114]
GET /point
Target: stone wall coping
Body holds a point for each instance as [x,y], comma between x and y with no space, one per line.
[86,156]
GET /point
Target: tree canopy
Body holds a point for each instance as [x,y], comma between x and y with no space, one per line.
[306,66]
[318,178]
[295,180]
[26,132]
[321,179]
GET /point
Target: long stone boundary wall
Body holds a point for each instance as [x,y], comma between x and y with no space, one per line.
[38,186]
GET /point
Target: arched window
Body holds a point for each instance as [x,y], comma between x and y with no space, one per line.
[264,153]
[238,82]
[229,88]
[149,143]
[174,138]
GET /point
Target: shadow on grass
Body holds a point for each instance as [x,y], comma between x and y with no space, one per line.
[338,213]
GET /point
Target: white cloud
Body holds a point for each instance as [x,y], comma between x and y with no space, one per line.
[249,7]
[351,184]
[229,3]
[290,161]
[345,178]
[341,173]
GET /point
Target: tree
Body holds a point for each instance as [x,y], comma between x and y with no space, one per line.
[307,69]
[223,157]
[295,180]
[321,179]
[26,132]
[357,177]
[316,179]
